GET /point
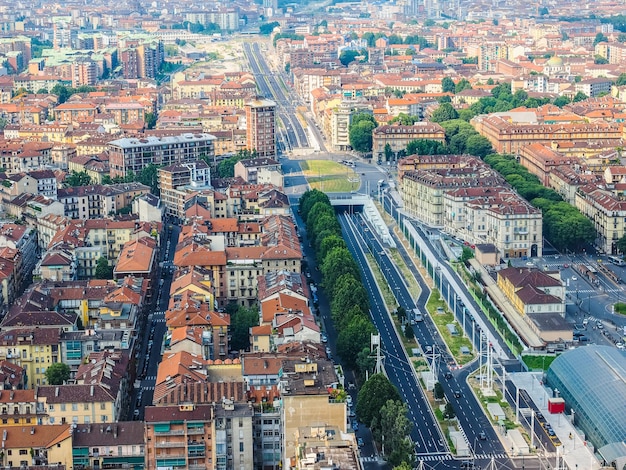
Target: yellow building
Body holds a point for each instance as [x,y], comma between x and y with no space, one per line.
[607,213]
[33,349]
[19,408]
[26,446]
[77,404]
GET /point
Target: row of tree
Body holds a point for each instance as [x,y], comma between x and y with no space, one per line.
[148,176]
[349,306]
[378,405]
[563,224]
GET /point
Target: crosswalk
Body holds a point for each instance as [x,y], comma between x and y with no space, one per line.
[150,388]
[150,378]
[593,291]
[442,457]
[158,320]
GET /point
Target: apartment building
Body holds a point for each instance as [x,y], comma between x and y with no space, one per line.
[77,404]
[397,137]
[533,291]
[98,201]
[607,212]
[104,445]
[261,127]
[134,154]
[37,446]
[173,180]
[509,136]
[199,436]
[260,171]
[423,190]
[19,408]
[540,160]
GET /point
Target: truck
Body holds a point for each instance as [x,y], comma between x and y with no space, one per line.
[417,315]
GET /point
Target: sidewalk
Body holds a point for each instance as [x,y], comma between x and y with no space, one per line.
[573,451]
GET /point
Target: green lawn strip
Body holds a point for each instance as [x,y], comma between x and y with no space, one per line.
[538,362]
[388,297]
[409,277]
[331,184]
[454,342]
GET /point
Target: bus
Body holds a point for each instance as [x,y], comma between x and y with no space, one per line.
[617,260]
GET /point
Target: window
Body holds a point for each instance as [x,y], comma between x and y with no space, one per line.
[103,406]
[50,407]
[62,406]
[74,406]
[23,452]
[86,406]
[241,447]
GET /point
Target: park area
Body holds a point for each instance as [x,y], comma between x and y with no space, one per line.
[329,176]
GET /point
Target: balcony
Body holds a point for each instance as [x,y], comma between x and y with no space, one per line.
[171,432]
[165,444]
[195,431]
[197,467]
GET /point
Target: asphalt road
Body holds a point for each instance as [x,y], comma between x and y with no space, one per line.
[425,434]
[152,335]
[272,87]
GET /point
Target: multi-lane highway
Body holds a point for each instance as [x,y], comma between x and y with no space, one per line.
[469,412]
[272,87]
[426,434]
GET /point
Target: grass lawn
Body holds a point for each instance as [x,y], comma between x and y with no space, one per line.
[330,176]
[388,297]
[454,342]
[409,277]
[538,362]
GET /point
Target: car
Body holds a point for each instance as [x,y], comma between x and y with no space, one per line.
[448,375]
[136,413]
[538,415]
[349,400]
[324,338]
[482,436]
[355,426]
[429,349]
[457,393]
[574,278]
[551,432]
[599,325]
[360,442]
[351,413]
[583,338]
[467,464]
[578,334]
[328,351]
[565,265]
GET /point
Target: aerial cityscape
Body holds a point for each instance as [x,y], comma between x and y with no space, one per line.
[313,235]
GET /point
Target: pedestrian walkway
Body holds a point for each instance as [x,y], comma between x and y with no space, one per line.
[575,451]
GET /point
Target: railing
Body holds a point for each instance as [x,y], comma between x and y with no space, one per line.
[170,444]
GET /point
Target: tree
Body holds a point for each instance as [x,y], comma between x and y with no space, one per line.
[403,466]
[347,56]
[580,96]
[360,136]
[149,177]
[405,119]
[478,145]
[449,411]
[62,92]
[240,323]
[226,168]
[151,120]
[621,244]
[347,294]
[445,112]
[600,38]
[438,391]
[447,85]
[328,243]
[103,270]
[372,396]
[621,38]
[352,338]
[77,178]
[408,332]
[309,199]
[388,152]
[463,84]
[599,60]
[467,254]
[401,314]
[392,429]
[621,80]
[338,262]
[267,28]
[317,211]
[57,374]
[561,101]
[365,362]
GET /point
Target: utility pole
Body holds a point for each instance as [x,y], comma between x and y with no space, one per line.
[375,343]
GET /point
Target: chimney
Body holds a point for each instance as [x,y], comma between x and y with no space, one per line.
[91,391]
[56,392]
[32,430]
[115,431]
